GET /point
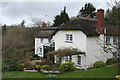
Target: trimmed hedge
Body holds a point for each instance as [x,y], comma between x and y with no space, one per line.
[99,64]
[111,61]
[45,67]
[68,66]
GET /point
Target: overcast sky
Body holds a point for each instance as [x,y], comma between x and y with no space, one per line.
[14,12]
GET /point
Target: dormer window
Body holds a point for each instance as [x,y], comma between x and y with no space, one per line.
[69,37]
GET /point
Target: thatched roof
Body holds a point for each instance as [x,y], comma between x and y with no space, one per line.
[46,32]
[86,25]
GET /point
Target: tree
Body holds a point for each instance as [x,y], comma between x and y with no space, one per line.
[22,23]
[60,19]
[48,23]
[113,19]
[111,16]
[87,10]
[62,52]
[4,29]
[37,22]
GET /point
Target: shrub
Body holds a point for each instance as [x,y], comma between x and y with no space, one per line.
[68,66]
[38,67]
[21,67]
[99,64]
[47,62]
[111,61]
[45,67]
[28,65]
[37,63]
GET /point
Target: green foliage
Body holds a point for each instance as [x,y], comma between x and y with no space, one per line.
[87,10]
[111,61]
[111,16]
[47,62]
[68,66]
[51,76]
[28,65]
[37,62]
[45,67]
[21,67]
[99,64]
[60,19]
[38,67]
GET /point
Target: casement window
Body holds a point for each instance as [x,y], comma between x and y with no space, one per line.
[79,60]
[114,40]
[49,40]
[107,40]
[40,51]
[41,40]
[69,37]
[68,59]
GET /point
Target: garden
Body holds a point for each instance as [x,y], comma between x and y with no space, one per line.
[46,69]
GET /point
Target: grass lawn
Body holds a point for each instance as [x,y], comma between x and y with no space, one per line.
[105,72]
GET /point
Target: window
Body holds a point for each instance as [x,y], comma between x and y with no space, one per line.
[41,40]
[79,60]
[107,40]
[114,40]
[69,37]
[40,51]
[68,58]
[49,40]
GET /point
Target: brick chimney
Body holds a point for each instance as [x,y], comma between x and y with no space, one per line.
[43,24]
[100,21]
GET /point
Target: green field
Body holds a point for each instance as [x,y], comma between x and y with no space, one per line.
[105,72]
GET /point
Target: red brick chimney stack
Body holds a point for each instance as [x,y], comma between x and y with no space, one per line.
[100,21]
[43,24]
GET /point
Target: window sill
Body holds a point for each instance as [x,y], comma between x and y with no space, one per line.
[68,41]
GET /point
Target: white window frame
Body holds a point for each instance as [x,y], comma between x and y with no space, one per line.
[69,37]
[114,40]
[67,59]
[108,40]
[41,40]
[40,51]
[79,58]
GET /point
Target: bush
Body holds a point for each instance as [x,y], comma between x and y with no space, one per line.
[99,64]
[68,66]
[47,62]
[111,61]
[28,65]
[45,67]
[38,67]
[37,63]
[21,67]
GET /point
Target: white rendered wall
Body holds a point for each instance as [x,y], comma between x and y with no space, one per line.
[79,39]
[79,42]
[39,44]
[95,52]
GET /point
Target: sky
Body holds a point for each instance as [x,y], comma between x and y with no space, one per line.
[14,11]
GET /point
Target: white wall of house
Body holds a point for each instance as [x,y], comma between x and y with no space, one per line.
[95,52]
[90,45]
[39,42]
[79,39]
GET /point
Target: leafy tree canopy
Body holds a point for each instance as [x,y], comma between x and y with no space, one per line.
[87,10]
[60,19]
